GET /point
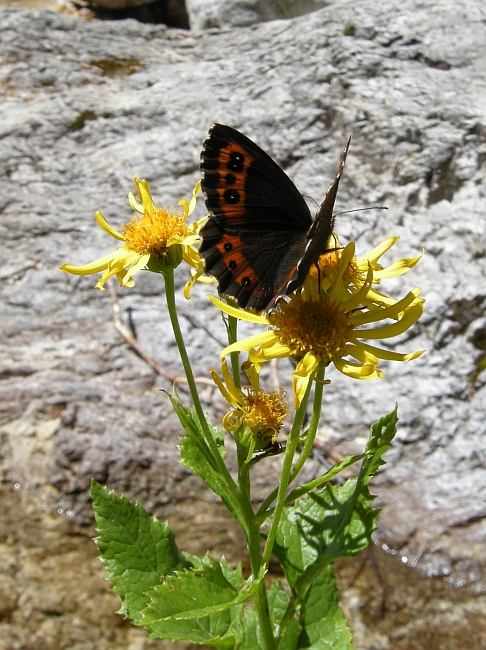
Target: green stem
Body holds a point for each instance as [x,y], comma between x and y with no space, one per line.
[263,513]
[232,330]
[171,307]
[292,442]
[314,423]
[253,542]
[263,610]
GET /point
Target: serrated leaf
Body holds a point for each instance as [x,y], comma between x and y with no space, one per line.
[323,624]
[251,631]
[233,576]
[196,455]
[332,522]
[278,601]
[135,548]
[381,435]
[201,605]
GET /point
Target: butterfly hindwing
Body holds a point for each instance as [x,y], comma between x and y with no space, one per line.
[248,266]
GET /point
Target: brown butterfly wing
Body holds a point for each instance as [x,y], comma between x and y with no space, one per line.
[317,239]
[259,221]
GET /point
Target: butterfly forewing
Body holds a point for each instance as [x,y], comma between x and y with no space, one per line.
[244,187]
[260,241]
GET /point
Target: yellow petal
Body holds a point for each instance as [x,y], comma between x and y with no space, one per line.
[223,389]
[358,371]
[249,342]
[307,365]
[271,350]
[398,268]
[238,313]
[393,311]
[409,318]
[377,252]
[104,225]
[134,268]
[118,266]
[379,298]
[228,379]
[362,354]
[98,265]
[143,191]
[302,375]
[359,298]
[346,257]
[134,204]
[391,356]
[190,283]
[189,207]
[191,257]
[252,371]
[121,276]
[200,223]
[185,240]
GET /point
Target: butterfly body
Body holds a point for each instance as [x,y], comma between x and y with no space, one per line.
[260,240]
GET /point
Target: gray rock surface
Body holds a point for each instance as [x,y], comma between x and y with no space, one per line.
[227,13]
[87,104]
[242,13]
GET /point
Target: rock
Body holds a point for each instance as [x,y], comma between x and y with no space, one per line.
[167,12]
[231,13]
[86,104]
[207,14]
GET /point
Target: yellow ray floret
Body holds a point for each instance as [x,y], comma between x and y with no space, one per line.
[156,238]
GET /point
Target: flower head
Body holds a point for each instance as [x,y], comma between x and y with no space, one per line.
[155,239]
[260,414]
[326,320]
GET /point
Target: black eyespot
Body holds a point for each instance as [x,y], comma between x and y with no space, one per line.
[232,265]
[246,282]
[236,161]
[230,179]
[227,247]
[232,196]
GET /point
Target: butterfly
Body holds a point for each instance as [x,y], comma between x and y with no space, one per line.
[260,240]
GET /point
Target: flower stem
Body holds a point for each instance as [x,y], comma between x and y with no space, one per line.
[253,543]
[292,442]
[263,512]
[232,331]
[314,423]
[242,491]
[171,307]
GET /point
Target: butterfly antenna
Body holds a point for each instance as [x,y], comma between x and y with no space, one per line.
[373,207]
[306,196]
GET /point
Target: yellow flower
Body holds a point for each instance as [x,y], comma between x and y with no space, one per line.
[262,414]
[324,321]
[356,271]
[155,240]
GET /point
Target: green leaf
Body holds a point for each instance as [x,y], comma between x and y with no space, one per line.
[196,455]
[251,635]
[381,435]
[136,548]
[278,602]
[323,623]
[202,605]
[317,482]
[334,521]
